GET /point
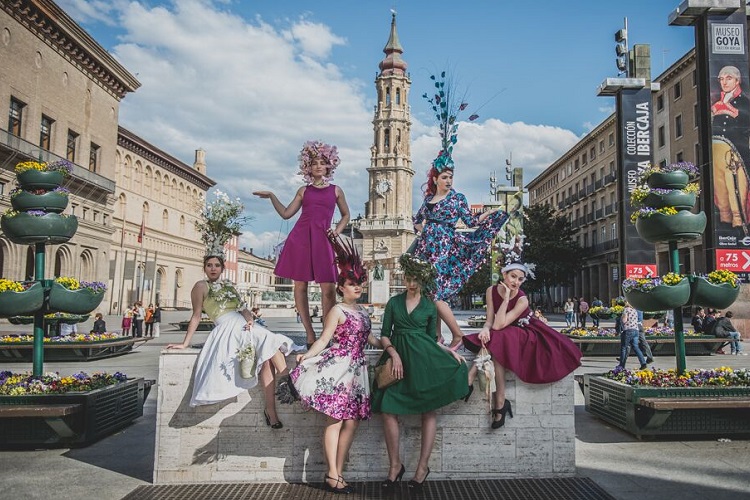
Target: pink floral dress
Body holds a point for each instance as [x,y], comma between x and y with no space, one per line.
[335,382]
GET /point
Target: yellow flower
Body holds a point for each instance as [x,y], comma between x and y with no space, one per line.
[69,283]
[10,286]
[30,165]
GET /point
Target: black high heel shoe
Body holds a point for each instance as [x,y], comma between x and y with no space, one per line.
[275,425]
[496,424]
[415,486]
[468,394]
[335,489]
[389,484]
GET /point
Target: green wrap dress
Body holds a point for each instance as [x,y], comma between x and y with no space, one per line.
[432,376]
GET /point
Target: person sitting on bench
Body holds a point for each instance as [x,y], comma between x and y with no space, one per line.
[725,329]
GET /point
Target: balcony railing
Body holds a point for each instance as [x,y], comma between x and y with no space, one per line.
[604,247]
[598,184]
[29,151]
[599,213]
[589,189]
[609,178]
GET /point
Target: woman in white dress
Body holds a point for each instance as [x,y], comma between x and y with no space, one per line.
[217,372]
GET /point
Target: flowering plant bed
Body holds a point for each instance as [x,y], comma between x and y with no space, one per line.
[660,402]
[73,296]
[657,294]
[67,339]
[38,226]
[55,200]
[53,411]
[62,166]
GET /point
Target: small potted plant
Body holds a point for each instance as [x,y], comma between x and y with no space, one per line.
[656,294]
[49,200]
[19,297]
[657,225]
[673,176]
[247,360]
[718,289]
[75,297]
[40,175]
[38,226]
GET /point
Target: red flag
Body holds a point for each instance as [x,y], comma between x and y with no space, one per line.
[142,231]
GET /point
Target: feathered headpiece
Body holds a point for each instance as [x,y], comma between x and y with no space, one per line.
[347,258]
[421,270]
[317,149]
[218,221]
[446,105]
[512,255]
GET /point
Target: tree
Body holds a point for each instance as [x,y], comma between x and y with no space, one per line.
[550,245]
[476,285]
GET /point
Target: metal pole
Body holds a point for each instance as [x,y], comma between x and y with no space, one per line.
[679,335]
[38,352]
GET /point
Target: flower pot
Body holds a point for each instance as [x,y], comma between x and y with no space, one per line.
[676,198]
[683,226]
[707,294]
[660,297]
[668,180]
[49,201]
[81,301]
[40,179]
[21,303]
[654,315]
[25,229]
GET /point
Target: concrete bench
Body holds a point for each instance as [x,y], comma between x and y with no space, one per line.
[229,441]
[52,414]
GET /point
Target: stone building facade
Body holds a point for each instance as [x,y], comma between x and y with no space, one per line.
[583,184]
[60,92]
[157,253]
[254,276]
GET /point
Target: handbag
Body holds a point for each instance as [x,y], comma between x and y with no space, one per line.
[247,361]
[384,376]
[485,373]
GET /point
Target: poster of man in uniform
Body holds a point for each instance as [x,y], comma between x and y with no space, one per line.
[730,130]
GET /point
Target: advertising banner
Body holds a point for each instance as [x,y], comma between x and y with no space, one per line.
[726,176]
[635,128]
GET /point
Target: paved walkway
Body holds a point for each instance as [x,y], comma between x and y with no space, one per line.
[623,466]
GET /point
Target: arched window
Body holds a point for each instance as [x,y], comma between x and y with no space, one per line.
[148,184]
[87,266]
[387,140]
[182,225]
[157,186]
[165,220]
[388,96]
[398,97]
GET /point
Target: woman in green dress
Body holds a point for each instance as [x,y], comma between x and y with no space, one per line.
[431,375]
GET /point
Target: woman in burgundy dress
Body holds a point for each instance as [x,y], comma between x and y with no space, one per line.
[307,254]
[519,342]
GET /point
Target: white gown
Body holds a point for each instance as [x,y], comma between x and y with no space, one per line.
[217,371]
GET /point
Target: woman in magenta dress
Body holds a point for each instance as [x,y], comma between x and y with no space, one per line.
[307,254]
[519,342]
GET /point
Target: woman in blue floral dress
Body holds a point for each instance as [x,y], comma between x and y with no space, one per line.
[455,255]
[333,380]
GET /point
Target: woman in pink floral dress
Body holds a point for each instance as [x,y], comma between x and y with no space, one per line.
[333,380]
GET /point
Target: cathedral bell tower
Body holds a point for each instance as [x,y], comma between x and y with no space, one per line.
[387,228]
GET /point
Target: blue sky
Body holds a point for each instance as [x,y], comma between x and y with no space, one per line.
[250,81]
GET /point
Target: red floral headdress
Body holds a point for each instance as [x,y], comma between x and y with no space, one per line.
[348,260]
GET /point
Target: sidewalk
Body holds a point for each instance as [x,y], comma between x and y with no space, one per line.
[619,463]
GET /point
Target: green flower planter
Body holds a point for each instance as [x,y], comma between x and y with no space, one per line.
[25,229]
[654,315]
[40,179]
[683,226]
[20,303]
[676,198]
[49,201]
[661,297]
[668,180]
[707,294]
[81,301]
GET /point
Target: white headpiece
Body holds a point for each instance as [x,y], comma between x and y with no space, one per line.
[528,269]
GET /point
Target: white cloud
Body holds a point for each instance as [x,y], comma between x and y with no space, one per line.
[250,93]
[86,11]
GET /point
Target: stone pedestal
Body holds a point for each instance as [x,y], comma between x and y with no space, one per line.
[230,442]
[380,288]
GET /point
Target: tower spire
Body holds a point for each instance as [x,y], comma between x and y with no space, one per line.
[393,63]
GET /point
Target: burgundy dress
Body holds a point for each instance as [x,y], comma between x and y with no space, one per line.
[528,347]
[307,254]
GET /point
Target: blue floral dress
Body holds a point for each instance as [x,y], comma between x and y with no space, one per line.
[455,255]
[335,382]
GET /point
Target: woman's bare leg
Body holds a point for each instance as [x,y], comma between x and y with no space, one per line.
[445,314]
[303,308]
[266,379]
[328,298]
[391,430]
[330,449]
[429,430]
[346,437]
[499,385]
